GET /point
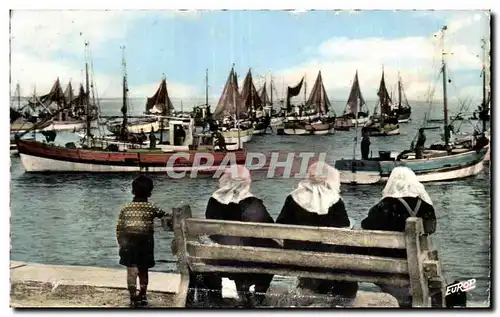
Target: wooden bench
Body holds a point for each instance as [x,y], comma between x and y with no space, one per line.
[421,270]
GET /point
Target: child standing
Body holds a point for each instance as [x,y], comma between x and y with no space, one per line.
[135,235]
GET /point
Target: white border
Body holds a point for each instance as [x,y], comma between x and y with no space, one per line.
[179,4]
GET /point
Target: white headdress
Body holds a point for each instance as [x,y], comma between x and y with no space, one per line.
[234,185]
[320,190]
[404,183]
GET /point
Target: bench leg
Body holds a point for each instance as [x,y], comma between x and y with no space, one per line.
[180,300]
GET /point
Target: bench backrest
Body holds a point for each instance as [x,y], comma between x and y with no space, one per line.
[200,255]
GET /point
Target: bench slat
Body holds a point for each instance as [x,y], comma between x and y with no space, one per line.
[334,261]
[392,280]
[337,236]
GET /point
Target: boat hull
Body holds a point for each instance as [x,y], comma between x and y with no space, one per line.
[276,121]
[443,168]
[21,127]
[383,132]
[39,157]
[65,126]
[135,128]
[232,136]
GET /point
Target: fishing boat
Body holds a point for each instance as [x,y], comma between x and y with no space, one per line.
[355,101]
[157,105]
[403,109]
[201,113]
[48,157]
[255,105]
[439,162]
[351,115]
[318,100]
[230,110]
[297,118]
[71,118]
[21,119]
[386,124]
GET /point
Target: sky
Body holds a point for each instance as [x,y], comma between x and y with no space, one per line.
[283,44]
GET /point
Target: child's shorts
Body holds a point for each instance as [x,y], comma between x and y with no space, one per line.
[137,250]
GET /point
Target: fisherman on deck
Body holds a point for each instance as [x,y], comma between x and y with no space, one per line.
[365,144]
[152,140]
[403,196]
[451,139]
[233,201]
[419,147]
[220,141]
[143,137]
[316,202]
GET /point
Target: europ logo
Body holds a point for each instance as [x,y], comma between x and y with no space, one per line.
[456,293]
[461,286]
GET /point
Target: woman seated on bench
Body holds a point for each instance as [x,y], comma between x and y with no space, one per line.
[403,196]
[234,201]
[317,202]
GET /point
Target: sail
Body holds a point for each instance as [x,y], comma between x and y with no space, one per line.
[384,98]
[230,101]
[264,97]
[56,95]
[68,93]
[292,92]
[249,94]
[318,98]
[160,103]
[355,102]
[402,100]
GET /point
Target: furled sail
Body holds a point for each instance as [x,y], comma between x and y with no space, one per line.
[264,97]
[249,95]
[402,100]
[160,102]
[56,95]
[230,102]
[318,99]
[355,102]
[68,93]
[384,98]
[293,92]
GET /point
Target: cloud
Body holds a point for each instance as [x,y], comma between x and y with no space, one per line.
[417,59]
[50,44]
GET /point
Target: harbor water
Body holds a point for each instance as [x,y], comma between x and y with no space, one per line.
[69,219]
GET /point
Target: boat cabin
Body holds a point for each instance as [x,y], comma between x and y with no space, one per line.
[178,128]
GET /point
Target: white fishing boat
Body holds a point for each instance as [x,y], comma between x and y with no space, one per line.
[440,162]
[229,109]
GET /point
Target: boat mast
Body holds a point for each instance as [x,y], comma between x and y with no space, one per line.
[18,89]
[484,108]
[237,125]
[206,90]
[358,101]
[445,98]
[305,90]
[87,99]
[124,106]
[271,90]
[399,91]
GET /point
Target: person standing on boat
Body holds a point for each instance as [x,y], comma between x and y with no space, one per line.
[143,137]
[316,202]
[451,140]
[234,201]
[152,140]
[220,141]
[135,235]
[365,145]
[403,196]
[419,147]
